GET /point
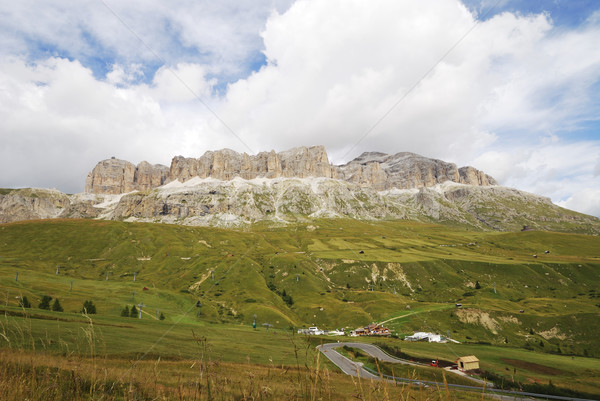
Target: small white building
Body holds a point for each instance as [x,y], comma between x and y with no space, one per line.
[429,337]
[313,331]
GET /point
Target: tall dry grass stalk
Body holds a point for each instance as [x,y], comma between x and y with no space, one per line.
[29,369]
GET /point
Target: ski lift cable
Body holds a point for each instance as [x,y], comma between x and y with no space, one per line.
[192,91]
[414,86]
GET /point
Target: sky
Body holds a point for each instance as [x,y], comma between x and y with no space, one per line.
[511,87]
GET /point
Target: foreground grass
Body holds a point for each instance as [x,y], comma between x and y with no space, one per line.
[43,376]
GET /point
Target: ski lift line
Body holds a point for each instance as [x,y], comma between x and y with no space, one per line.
[414,86]
[162,60]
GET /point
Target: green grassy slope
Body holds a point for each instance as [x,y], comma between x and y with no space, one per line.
[335,273]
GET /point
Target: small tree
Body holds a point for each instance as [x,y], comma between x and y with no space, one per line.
[134,312]
[24,303]
[56,306]
[162,316]
[45,303]
[477,285]
[287,298]
[125,311]
[89,308]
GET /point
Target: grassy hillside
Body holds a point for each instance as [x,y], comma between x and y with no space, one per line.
[332,273]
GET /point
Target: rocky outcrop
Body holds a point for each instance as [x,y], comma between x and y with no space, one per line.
[471,176]
[32,204]
[114,176]
[375,170]
[407,170]
[238,201]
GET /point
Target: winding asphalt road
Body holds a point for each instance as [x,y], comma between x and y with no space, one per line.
[353,368]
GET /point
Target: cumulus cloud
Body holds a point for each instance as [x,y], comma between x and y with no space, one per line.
[58,121]
[222,35]
[557,170]
[586,201]
[354,76]
[335,68]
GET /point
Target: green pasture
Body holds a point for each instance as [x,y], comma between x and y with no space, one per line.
[330,273]
[133,339]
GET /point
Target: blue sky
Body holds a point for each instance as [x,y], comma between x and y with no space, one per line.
[567,13]
[518,97]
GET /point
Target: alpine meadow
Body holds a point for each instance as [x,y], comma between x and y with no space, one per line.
[300,200]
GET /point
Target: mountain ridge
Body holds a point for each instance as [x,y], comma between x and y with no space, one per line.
[375,170]
[228,189]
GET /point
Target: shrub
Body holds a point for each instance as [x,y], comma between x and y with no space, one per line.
[45,303]
[125,311]
[56,307]
[477,285]
[287,298]
[162,316]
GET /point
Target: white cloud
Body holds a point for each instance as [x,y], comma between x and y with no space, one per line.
[586,201]
[222,35]
[504,100]
[564,172]
[337,67]
[58,121]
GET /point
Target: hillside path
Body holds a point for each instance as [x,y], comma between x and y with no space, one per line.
[416,312]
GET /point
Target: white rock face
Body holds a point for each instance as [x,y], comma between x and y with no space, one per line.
[374,170]
[213,202]
[236,202]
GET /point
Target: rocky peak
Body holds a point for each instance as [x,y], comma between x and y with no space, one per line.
[407,170]
[115,176]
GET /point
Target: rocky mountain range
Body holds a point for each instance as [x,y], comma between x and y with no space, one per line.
[226,188]
[375,170]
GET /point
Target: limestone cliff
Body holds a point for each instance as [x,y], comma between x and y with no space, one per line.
[227,164]
[407,170]
[114,176]
[375,170]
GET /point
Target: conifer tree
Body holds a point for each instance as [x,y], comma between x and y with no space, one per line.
[24,303]
[56,307]
[134,312]
[125,311]
[45,303]
[89,308]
